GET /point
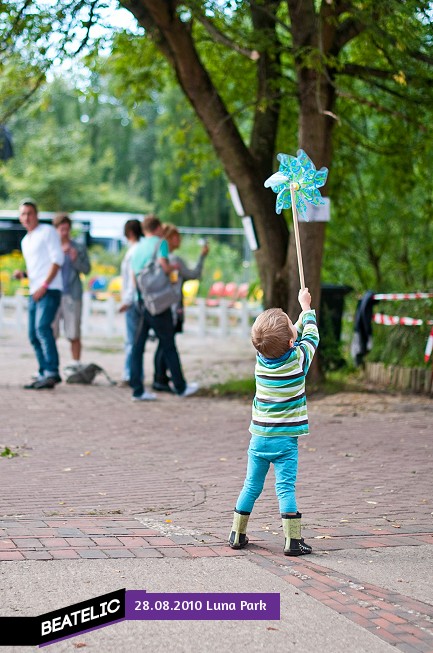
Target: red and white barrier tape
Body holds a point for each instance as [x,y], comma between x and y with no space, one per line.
[392,320]
[403,295]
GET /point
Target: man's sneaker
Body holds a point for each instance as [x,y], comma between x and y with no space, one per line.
[57,378]
[47,383]
[146,396]
[190,389]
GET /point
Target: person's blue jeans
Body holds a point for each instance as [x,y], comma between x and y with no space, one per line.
[283,453]
[132,318]
[164,329]
[41,318]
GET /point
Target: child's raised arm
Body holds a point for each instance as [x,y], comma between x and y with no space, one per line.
[304,298]
[308,334]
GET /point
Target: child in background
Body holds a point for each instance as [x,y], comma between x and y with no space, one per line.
[279,418]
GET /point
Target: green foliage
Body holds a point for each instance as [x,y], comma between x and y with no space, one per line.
[135,65]
[382,208]
[69,154]
[188,183]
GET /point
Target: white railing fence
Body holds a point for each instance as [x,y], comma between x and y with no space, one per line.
[102,318]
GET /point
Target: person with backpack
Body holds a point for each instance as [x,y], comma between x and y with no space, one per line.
[154,247]
[184,273]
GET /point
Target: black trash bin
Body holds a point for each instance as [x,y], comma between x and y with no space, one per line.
[330,323]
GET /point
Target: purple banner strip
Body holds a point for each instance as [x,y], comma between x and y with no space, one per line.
[145,606]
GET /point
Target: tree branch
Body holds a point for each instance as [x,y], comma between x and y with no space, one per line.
[380,108]
[414,54]
[23,99]
[347,31]
[219,37]
[90,24]
[356,70]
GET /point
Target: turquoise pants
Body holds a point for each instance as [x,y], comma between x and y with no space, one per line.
[283,453]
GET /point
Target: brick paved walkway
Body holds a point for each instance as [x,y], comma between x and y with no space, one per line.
[99,477]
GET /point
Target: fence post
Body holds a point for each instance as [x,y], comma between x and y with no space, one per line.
[224,306]
[1,312]
[201,306]
[111,307]
[19,311]
[85,315]
[245,322]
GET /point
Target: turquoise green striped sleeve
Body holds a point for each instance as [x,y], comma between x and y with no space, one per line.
[309,338]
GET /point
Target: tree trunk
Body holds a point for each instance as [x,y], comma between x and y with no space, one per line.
[315,137]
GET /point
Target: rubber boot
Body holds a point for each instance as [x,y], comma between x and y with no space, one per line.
[294,544]
[238,538]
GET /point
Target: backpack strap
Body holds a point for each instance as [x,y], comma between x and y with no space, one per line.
[156,250]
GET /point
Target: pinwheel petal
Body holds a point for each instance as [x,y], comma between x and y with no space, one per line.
[288,163]
[301,206]
[305,161]
[320,177]
[308,178]
[283,200]
[276,181]
[312,195]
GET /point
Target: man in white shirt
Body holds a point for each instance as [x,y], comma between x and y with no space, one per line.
[44,257]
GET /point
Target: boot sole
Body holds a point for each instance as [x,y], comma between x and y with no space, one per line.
[295,554]
[238,546]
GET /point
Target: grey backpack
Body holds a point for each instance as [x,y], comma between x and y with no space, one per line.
[155,287]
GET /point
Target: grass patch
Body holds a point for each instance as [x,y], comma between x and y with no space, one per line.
[8,453]
[234,388]
[342,380]
[109,349]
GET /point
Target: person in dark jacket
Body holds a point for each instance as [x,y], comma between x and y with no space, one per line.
[181,274]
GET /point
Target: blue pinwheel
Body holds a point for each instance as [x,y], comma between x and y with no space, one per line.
[297,174]
[297,182]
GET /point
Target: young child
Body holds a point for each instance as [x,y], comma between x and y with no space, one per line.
[279,417]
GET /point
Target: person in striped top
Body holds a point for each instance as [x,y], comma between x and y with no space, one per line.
[279,417]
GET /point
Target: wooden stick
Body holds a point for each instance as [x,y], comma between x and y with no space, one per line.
[294,187]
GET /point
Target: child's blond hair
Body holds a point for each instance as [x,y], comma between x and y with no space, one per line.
[271,333]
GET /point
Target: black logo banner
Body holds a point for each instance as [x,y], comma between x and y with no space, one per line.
[63,623]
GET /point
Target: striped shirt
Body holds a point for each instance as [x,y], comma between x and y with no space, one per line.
[280,405]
